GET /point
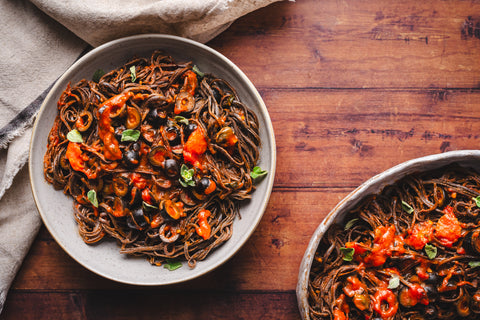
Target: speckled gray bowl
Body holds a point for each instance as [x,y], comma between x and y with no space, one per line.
[56,208]
[470,158]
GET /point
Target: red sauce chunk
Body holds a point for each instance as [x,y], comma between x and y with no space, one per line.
[448,229]
[420,235]
[77,160]
[105,129]
[195,146]
[203,229]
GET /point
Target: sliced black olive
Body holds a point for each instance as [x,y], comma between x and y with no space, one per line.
[137,220]
[133,118]
[84,121]
[205,185]
[171,168]
[173,135]
[432,278]
[134,197]
[167,233]
[131,158]
[120,186]
[471,242]
[157,116]
[157,156]
[226,137]
[189,129]
[431,291]
[184,102]
[118,208]
[119,111]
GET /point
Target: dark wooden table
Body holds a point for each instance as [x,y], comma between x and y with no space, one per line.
[353,87]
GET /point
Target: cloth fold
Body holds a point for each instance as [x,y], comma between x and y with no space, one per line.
[40,40]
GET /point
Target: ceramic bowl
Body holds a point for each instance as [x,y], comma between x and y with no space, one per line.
[469,158]
[55,208]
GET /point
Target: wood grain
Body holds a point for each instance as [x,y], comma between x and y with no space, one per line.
[352,88]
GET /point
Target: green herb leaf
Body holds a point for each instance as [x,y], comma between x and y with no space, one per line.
[133,73]
[257,172]
[75,136]
[180,119]
[97,75]
[148,207]
[198,72]
[350,223]
[92,197]
[406,207]
[431,251]
[347,253]
[171,264]
[477,201]
[474,264]
[394,282]
[186,176]
[130,135]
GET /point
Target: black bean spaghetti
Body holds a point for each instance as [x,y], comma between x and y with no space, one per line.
[156,155]
[410,252]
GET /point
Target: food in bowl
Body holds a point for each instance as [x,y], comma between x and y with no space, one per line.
[412,251]
[157,155]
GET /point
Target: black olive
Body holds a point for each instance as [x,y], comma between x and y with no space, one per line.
[118,133]
[171,168]
[157,116]
[471,242]
[120,186]
[139,218]
[432,278]
[156,156]
[184,102]
[131,158]
[173,135]
[134,197]
[431,291]
[189,129]
[204,185]
[133,118]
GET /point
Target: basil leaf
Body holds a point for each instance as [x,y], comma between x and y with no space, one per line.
[198,72]
[171,264]
[180,119]
[394,282]
[92,197]
[474,264]
[186,176]
[133,73]
[183,183]
[97,75]
[75,136]
[350,223]
[477,201]
[406,207]
[347,253]
[147,206]
[257,172]
[431,251]
[130,135]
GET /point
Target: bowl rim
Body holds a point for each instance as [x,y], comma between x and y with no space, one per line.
[378,181]
[262,110]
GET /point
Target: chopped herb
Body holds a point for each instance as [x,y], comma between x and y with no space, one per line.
[147,206]
[133,73]
[180,119]
[351,223]
[474,264]
[97,75]
[394,282]
[257,172]
[92,197]
[406,207]
[171,264]
[186,176]
[75,136]
[477,201]
[347,253]
[431,251]
[198,72]
[130,135]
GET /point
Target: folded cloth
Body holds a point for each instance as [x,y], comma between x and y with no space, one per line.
[40,40]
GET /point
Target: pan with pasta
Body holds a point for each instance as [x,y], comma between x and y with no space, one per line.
[410,251]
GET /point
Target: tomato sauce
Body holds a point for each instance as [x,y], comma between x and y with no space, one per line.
[448,229]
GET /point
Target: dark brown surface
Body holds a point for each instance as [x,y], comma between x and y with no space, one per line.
[353,88]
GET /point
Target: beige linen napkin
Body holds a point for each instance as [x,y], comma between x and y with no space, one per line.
[39,41]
